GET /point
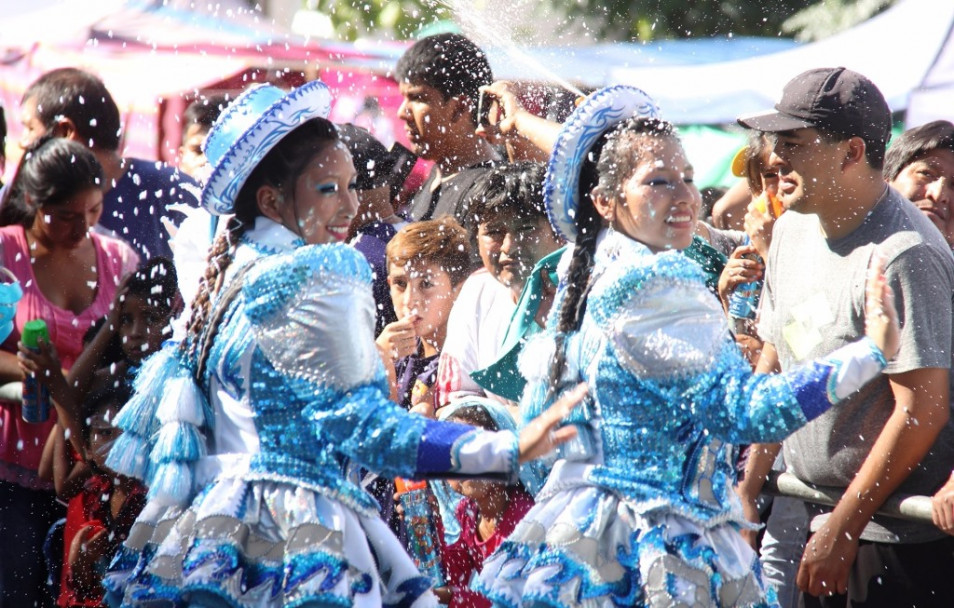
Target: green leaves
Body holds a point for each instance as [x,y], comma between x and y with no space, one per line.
[399,18]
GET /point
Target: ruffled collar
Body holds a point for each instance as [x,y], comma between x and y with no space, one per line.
[268,237]
[612,245]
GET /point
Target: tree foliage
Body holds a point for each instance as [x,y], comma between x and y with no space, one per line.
[830,17]
[640,20]
[400,19]
[652,19]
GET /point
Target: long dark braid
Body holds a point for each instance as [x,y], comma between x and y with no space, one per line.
[220,258]
[588,223]
[611,161]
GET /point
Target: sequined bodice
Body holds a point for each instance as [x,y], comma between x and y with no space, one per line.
[655,349]
[284,357]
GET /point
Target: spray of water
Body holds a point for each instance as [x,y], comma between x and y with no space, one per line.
[490,33]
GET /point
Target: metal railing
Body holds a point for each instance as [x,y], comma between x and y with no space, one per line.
[901,506]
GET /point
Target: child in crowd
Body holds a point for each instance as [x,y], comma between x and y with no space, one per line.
[427,264]
[136,326]
[190,240]
[137,323]
[745,264]
[485,513]
[196,122]
[101,504]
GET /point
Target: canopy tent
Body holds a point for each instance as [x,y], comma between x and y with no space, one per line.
[933,99]
[155,57]
[594,66]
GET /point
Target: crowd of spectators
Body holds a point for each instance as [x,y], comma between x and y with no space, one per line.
[465,272]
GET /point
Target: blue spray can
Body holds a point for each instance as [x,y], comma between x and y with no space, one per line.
[744,301]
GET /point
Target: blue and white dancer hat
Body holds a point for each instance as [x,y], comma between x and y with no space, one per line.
[248,129]
[596,115]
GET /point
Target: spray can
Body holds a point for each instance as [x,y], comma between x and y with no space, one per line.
[744,301]
[36,397]
[422,540]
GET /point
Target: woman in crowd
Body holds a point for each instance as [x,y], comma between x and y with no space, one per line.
[69,276]
[256,421]
[638,510]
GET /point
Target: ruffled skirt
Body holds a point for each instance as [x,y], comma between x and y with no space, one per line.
[586,546]
[263,544]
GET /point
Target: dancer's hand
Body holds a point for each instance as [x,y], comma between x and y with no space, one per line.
[881,317]
[541,436]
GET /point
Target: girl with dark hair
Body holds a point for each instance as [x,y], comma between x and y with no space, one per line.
[638,510]
[134,329]
[250,433]
[137,323]
[477,515]
[101,505]
[69,276]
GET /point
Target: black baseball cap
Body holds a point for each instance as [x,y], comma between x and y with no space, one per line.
[834,99]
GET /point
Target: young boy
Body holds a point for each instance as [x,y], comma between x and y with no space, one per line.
[196,122]
[439,78]
[427,264]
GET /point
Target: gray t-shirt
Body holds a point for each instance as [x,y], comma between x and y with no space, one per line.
[813,303]
[726,241]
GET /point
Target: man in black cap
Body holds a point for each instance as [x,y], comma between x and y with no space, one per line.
[830,131]
[375,223]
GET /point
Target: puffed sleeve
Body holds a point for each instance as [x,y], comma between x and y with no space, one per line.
[744,407]
[312,313]
[668,331]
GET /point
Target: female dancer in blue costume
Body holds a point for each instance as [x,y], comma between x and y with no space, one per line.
[247,433]
[639,509]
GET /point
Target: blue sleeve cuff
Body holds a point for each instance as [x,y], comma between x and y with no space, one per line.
[820,384]
[810,385]
[437,443]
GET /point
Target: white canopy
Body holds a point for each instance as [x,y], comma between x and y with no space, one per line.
[896,50]
[934,99]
